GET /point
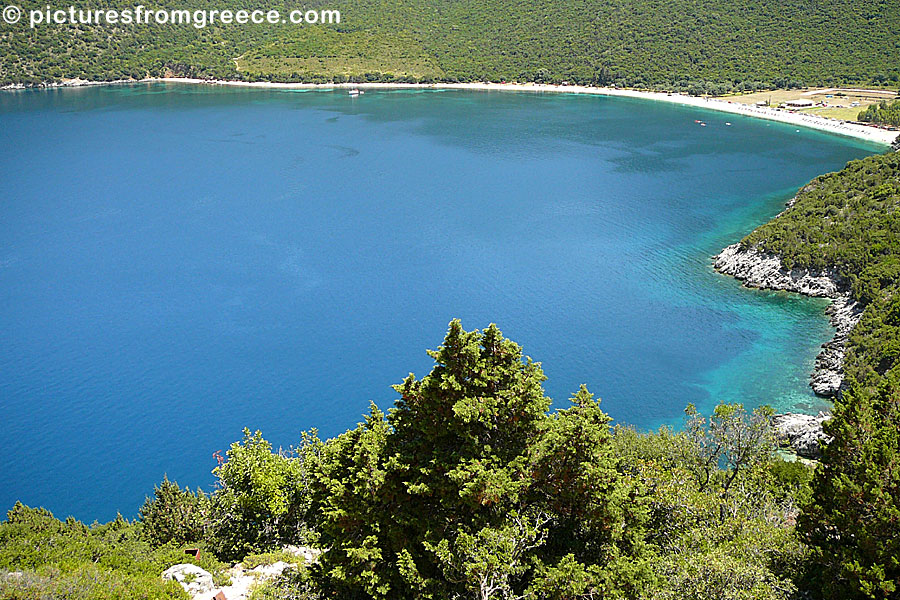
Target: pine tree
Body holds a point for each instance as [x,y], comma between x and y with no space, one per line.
[470,489]
[853,519]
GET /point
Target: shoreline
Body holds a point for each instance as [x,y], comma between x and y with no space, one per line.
[764,271]
[754,269]
[835,127]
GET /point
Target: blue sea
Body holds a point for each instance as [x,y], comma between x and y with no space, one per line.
[180,262]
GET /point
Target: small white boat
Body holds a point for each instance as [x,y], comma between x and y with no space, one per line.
[354,92]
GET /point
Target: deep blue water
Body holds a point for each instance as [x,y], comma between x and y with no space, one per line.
[179,262]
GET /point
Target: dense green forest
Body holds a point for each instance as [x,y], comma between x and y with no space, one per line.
[691,45]
[470,488]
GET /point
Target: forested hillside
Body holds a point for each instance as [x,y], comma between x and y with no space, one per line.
[690,45]
[850,220]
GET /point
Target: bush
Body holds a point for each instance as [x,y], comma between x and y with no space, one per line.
[262,502]
[174,515]
[252,561]
[69,560]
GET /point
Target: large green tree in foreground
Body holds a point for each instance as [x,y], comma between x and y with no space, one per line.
[468,488]
[853,520]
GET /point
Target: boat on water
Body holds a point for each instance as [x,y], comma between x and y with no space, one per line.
[355,92]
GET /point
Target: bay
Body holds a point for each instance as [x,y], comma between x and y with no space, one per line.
[179,262]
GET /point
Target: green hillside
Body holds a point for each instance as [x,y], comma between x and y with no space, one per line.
[694,45]
[850,220]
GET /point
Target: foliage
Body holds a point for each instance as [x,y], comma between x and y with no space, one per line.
[67,559]
[720,520]
[262,500]
[883,113]
[729,444]
[174,515]
[292,584]
[853,519]
[694,46]
[848,223]
[465,489]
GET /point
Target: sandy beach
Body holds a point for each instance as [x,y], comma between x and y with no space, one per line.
[834,126]
[870,134]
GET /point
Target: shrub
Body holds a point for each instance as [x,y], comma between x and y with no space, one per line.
[262,502]
[174,515]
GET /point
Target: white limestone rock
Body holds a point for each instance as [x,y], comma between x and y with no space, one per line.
[193,579]
[310,555]
[803,433]
[764,271]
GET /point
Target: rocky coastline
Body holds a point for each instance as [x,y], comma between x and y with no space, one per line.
[803,434]
[762,270]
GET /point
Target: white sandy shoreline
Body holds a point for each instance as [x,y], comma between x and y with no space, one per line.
[863,132]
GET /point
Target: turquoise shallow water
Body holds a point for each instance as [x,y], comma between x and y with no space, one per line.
[179,262]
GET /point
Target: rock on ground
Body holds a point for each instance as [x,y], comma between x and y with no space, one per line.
[243,580]
[193,579]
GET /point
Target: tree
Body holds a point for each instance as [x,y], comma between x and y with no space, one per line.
[262,499]
[468,489]
[731,439]
[488,562]
[600,511]
[174,515]
[348,494]
[853,519]
[721,523]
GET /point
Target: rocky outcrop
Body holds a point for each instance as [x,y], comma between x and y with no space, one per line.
[896,145]
[802,433]
[199,584]
[193,579]
[765,271]
[828,375]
